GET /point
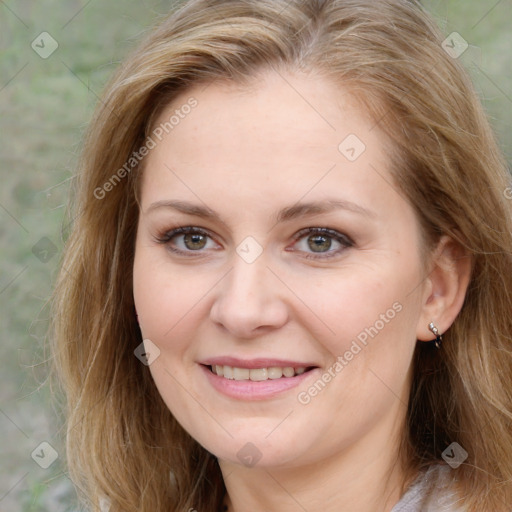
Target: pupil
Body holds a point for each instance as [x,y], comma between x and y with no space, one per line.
[319,243]
[194,241]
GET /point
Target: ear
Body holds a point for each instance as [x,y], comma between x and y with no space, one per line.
[445,287]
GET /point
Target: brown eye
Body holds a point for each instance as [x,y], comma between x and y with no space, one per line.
[194,241]
[319,243]
[325,242]
[187,240]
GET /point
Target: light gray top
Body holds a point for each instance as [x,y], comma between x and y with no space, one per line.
[442,498]
[416,498]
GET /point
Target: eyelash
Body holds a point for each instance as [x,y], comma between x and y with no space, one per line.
[166,237]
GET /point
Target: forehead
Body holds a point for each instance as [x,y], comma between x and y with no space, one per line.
[284,134]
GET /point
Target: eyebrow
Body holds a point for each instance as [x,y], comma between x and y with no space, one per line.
[284,215]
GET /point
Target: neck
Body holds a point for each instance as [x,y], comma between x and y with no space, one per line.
[359,479]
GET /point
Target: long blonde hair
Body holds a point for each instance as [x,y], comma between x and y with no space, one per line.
[123,444]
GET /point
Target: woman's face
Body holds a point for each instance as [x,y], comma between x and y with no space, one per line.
[295,273]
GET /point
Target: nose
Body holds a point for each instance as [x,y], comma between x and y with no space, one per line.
[250,300]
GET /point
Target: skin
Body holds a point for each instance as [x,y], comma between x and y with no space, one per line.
[246,153]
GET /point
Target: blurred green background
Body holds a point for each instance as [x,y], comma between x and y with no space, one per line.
[45,105]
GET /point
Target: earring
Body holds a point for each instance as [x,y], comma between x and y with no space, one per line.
[439,338]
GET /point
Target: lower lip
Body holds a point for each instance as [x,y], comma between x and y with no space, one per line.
[254,390]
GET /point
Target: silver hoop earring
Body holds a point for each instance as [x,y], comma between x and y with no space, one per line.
[439,339]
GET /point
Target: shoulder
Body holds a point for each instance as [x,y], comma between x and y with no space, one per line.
[432,491]
[104,505]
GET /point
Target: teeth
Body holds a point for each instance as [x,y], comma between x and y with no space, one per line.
[256,374]
[275,372]
[241,373]
[288,371]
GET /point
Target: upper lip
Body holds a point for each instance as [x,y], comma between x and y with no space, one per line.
[260,362]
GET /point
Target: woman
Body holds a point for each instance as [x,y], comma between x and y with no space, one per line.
[288,286]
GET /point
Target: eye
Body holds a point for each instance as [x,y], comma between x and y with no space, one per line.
[187,239]
[321,242]
[315,243]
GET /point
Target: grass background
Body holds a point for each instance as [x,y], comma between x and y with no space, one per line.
[45,105]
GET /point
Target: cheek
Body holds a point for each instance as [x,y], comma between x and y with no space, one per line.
[367,318]
[172,303]
[162,300]
[359,303]
[368,323]
[168,304]
[380,326]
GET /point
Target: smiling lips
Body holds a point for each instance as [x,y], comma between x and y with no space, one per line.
[256,369]
[256,374]
[255,379]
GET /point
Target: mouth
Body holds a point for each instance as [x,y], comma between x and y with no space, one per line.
[258,374]
[258,378]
